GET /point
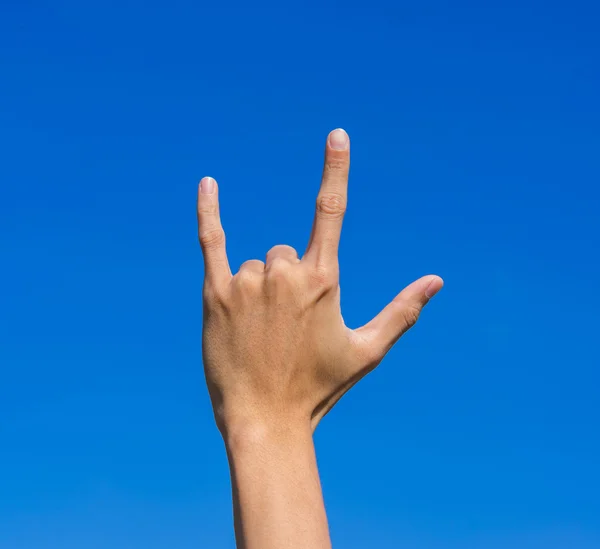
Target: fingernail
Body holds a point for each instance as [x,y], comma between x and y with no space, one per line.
[434,287]
[207,185]
[338,140]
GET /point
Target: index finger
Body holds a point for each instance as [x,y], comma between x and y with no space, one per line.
[332,200]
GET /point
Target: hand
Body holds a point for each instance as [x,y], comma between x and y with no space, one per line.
[275,346]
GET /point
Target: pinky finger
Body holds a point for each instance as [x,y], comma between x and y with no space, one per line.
[211,234]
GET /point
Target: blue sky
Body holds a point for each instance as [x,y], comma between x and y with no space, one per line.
[475,138]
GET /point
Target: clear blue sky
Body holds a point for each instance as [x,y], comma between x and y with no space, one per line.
[475,134]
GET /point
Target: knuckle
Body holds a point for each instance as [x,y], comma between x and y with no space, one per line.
[208,208]
[213,296]
[371,357]
[336,164]
[324,277]
[213,238]
[282,248]
[332,205]
[369,354]
[247,278]
[251,264]
[410,313]
[209,294]
[279,268]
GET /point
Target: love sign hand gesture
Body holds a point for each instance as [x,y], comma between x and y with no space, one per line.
[275,346]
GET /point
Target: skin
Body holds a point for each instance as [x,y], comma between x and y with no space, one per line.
[278,356]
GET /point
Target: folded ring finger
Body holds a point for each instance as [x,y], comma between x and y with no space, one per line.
[282,252]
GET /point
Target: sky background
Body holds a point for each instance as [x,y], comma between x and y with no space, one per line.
[475,131]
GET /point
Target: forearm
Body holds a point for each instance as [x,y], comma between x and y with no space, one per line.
[275,344]
[278,503]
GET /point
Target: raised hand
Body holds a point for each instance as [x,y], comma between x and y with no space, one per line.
[275,346]
[278,356]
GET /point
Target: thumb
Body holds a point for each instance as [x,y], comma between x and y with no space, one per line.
[400,315]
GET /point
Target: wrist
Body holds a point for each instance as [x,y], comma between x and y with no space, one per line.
[252,434]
